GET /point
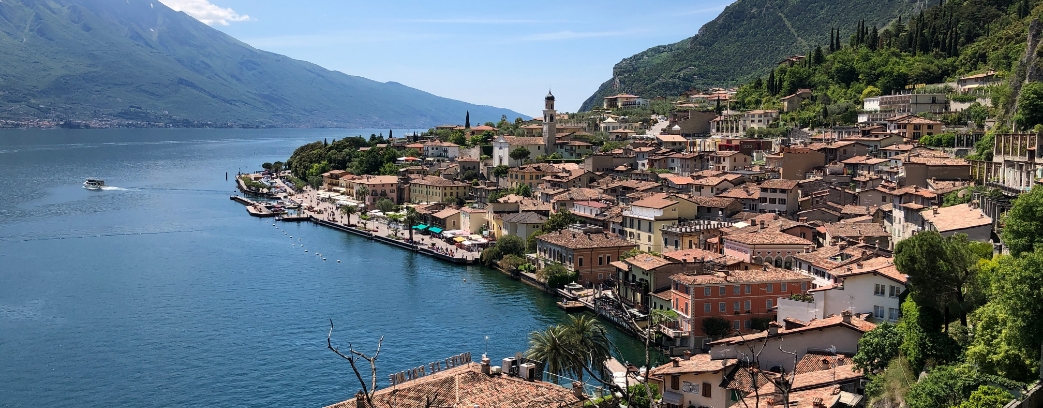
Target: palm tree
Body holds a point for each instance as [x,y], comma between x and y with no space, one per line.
[552,347]
[361,194]
[588,342]
[412,217]
[348,210]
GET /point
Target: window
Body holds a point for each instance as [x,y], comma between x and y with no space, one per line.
[675,382]
[803,286]
[735,306]
[893,313]
[706,390]
[878,290]
[770,287]
[747,289]
[894,291]
[746,305]
[581,261]
[723,291]
[735,324]
[608,258]
[747,324]
[735,289]
[722,307]
[600,260]
[707,308]
[878,312]
[783,288]
[770,303]
[707,291]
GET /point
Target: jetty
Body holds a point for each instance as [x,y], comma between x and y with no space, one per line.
[255,209]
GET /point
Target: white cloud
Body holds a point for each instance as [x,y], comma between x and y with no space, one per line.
[206,11]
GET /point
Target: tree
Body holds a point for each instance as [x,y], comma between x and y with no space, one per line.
[556,275]
[889,387]
[523,190]
[277,167]
[519,153]
[940,270]
[348,210]
[948,386]
[987,396]
[559,221]
[586,337]
[388,169]
[1030,106]
[267,166]
[385,205]
[870,92]
[877,348]
[923,342]
[717,327]
[411,219]
[507,245]
[501,171]
[1023,230]
[467,120]
[361,193]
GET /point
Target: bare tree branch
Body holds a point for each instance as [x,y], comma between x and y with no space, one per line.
[353,357]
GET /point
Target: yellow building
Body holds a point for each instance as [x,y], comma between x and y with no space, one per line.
[432,189]
[643,222]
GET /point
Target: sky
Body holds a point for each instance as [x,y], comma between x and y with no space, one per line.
[499,53]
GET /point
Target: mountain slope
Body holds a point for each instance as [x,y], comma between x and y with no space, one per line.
[748,37]
[136,59]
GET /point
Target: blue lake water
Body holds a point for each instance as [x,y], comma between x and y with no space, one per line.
[160,291]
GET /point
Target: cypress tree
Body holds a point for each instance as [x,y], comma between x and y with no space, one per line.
[874,38]
[467,120]
[818,58]
[771,83]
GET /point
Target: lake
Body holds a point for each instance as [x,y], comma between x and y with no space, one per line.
[160,291]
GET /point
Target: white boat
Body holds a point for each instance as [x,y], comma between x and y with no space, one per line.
[94,184]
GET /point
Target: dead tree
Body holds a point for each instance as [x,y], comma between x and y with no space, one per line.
[353,358]
[781,384]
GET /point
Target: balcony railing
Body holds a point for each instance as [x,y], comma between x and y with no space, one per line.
[674,333]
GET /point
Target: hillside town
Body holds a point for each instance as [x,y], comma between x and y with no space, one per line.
[738,236]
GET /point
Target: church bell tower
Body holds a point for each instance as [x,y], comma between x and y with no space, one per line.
[550,130]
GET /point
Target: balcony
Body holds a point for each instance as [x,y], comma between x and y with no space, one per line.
[673,333]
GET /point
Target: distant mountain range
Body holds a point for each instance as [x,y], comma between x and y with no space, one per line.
[748,38]
[140,60]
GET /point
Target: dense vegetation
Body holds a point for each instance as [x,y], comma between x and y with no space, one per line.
[139,60]
[971,320]
[748,38]
[934,46]
[308,162]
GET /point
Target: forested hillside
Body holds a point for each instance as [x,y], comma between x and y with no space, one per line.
[748,38]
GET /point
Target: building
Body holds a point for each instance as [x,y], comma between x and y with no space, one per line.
[530,174]
[959,219]
[915,127]
[692,235]
[623,101]
[794,163]
[1016,164]
[676,143]
[550,131]
[644,220]
[971,82]
[728,161]
[872,287]
[766,247]
[745,297]
[473,220]
[920,170]
[430,189]
[639,276]
[839,332]
[585,249]
[520,224]
[378,187]
[868,233]
[694,381]
[779,196]
[792,103]
[504,145]
[448,219]
[441,150]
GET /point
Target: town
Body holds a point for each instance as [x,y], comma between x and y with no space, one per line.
[705,231]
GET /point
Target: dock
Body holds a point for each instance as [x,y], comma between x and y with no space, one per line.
[571,306]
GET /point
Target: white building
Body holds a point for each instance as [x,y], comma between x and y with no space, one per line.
[444,150]
[868,287]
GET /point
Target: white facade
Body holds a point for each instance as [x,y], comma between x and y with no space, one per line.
[867,293]
[442,150]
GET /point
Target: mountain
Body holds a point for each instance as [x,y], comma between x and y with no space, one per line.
[745,40]
[140,60]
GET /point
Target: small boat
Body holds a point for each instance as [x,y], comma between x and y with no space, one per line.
[94,184]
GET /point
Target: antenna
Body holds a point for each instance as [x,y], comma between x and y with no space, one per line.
[486,347]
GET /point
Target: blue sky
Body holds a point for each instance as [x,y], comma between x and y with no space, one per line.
[505,54]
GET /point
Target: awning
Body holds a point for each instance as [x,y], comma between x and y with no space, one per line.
[420,227]
[435,230]
[671,397]
[459,239]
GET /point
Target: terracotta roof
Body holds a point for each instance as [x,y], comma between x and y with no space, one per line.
[880,265]
[531,204]
[699,363]
[620,264]
[955,218]
[696,254]
[857,229]
[377,180]
[829,257]
[938,161]
[713,202]
[647,262]
[658,201]
[578,240]
[671,138]
[580,194]
[437,182]
[466,387]
[710,181]
[856,323]
[524,218]
[518,140]
[864,160]
[779,183]
[446,213]
[763,274]
[742,192]
[767,238]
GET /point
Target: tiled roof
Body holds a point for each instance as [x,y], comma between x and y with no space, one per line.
[437,182]
[710,181]
[828,257]
[578,240]
[699,363]
[758,275]
[446,213]
[517,140]
[510,198]
[766,238]
[466,387]
[880,265]
[696,254]
[938,161]
[524,218]
[856,323]
[713,202]
[956,218]
[779,183]
[658,201]
[536,168]
[858,229]
[742,192]
[579,194]
[531,204]
[647,262]
[864,160]
[816,360]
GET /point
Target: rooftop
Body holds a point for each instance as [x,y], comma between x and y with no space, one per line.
[577,240]
[767,238]
[699,363]
[855,323]
[955,218]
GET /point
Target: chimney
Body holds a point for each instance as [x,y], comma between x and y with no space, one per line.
[773,329]
[818,403]
[577,390]
[934,210]
[360,400]
[675,362]
[485,365]
[846,316]
[824,364]
[687,355]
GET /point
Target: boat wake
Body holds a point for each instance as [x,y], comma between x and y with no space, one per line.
[112,188]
